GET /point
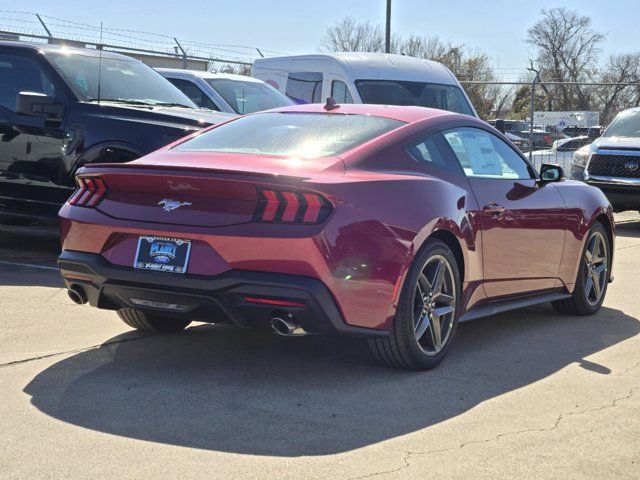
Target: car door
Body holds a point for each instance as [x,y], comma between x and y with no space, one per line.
[523,220]
[13,140]
[36,179]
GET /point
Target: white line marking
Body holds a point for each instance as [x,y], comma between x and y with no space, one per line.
[30,265]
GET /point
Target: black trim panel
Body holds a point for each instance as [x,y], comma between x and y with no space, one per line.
[113,286]
[495,307]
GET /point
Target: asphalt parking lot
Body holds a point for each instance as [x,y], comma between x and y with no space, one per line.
[528,394]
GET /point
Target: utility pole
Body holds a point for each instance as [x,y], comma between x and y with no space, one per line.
[387,37]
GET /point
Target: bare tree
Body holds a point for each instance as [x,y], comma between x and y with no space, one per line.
[349,35]
[623,69]
[567,51]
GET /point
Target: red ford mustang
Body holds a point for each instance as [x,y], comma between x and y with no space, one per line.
[393,223]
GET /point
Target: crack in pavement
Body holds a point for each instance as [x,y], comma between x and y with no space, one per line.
[77,350]
[408,455]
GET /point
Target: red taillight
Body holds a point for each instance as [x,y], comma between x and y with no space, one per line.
[89,193]
[291,207]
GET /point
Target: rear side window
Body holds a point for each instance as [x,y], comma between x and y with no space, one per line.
[340,92]
[301,135]
[20,74]
[305,87]
[428,151]
[195,94]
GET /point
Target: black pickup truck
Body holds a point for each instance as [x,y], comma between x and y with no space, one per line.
[63,107]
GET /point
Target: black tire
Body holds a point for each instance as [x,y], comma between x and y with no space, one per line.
[151,323]
[404,347]
[583,300]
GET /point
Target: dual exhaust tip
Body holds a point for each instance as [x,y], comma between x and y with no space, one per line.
[286,327]
[281,326]
[77,295]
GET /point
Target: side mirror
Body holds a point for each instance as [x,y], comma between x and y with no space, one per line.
[39,105]
[500,126]
[551,173]
[593,133]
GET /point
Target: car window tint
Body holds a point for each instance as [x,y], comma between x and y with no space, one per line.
[482,154]
[305,87]
[20,74]
[340,92]
[427,152]
[195,94]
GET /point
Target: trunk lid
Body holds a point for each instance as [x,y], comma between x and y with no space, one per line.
[199,189]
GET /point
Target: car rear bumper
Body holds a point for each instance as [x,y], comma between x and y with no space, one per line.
[217,299]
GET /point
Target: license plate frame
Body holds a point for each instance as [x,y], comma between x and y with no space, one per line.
[162,254]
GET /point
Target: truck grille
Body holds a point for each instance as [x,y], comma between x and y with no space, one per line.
[615,165]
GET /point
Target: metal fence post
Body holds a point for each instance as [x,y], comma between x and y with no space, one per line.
[532,109]
[185,63]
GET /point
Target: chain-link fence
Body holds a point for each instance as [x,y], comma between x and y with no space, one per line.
[549,121]
[156,50]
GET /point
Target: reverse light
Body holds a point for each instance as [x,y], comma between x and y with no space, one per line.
[89,193]
[276,206]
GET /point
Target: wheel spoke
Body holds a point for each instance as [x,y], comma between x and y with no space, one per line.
[588,255]
[436,333]
[438,277]
[442,311]
[595,278]
[589,286]
[421,327]
[424,284]
[445,298]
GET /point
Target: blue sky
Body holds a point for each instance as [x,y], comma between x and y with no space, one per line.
[497,27]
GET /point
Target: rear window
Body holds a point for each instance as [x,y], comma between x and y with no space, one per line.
[303,135]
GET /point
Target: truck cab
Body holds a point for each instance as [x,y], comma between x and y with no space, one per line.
[63,107]
[375,78]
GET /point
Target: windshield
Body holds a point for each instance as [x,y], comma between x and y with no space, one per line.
[397,92]
[248,97]
[303,135]
[121,79]
[626,124]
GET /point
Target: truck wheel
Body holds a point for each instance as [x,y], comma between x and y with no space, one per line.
[150,323]
[427,315]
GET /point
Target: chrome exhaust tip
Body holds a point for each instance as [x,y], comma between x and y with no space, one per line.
[286,327]
[77,295]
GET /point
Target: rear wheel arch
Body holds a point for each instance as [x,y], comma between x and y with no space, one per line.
[451,241]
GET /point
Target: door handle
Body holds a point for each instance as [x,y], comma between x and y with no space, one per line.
[494,210]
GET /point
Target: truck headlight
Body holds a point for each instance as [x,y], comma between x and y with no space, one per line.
[581,156]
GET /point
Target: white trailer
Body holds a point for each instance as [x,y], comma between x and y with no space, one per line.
[561,120]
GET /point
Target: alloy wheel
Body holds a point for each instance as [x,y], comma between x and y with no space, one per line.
[434,305]
[595,272]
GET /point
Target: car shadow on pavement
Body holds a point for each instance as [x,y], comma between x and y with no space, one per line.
[224,389]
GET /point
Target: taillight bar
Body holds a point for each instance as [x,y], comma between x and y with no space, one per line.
[277,206]
[89,192]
